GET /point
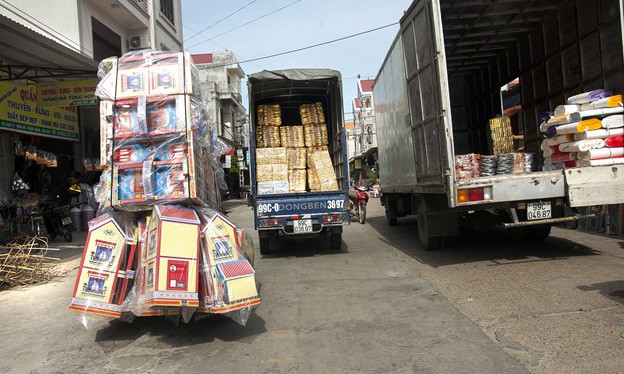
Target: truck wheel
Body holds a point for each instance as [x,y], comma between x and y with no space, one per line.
[265,246]
[391,213]
[335,241]
[429,243]
[531,234]
[362,213]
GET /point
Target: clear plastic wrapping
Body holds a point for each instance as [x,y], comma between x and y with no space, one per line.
[147,73]
[323,171]
[315,135]
[268,137]
[227,282]
[178,261]
[312,113]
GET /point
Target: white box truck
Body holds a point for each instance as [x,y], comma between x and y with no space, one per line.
[441,82]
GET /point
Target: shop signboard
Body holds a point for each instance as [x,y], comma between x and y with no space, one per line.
[357,164]
[20,112]
[66,93]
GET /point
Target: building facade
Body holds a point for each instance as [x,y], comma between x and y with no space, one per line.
[102,28]
[363,158]
[221,77]
[63,40]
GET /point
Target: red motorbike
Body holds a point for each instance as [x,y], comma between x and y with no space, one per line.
[358,198]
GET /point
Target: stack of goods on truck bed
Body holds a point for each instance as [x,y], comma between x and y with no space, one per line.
[503,159]
[296,155]
[156,247]
[587,131]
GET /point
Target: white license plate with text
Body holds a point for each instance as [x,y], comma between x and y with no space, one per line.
[539,210]
[302,226]
[66,221]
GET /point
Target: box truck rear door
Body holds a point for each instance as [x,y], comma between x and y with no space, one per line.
[427,82]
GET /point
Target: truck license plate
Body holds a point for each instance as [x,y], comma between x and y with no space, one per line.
[539,210]
[66,221]
[302,225]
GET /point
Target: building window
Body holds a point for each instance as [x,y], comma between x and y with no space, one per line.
[106,42]
[166,9]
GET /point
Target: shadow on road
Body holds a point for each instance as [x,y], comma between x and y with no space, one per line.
[195,332]
[498,246]
[613,290]
[303,248]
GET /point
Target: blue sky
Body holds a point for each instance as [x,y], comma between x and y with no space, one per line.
[304,23]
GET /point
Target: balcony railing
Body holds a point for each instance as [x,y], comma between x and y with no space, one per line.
[141,4]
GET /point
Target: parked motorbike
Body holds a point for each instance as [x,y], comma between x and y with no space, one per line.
[358,198]
[58,222]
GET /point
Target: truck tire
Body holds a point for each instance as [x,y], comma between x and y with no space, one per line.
[335,241]
[531,233]
[391,213]
[265,246]
[428,243]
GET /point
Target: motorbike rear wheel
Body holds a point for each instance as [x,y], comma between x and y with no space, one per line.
[362,213]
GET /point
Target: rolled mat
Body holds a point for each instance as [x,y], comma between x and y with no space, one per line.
[594,154]
[615,141]
[561,120]
[567,138]
[582,145]
[613,122]
[609,102]
[594,113]
[563,157]
[602,162]
[571,128]
[588,97]
[550,151]
[551,132]
[598,134]
[562,110]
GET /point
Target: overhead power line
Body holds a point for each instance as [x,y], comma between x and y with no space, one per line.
[219,21]
[318,44]
[247,23]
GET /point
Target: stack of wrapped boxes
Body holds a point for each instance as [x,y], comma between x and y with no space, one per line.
[147,252]
[299,143]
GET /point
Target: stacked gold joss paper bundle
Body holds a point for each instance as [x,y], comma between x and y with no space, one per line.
[312,113]
[292,136]
[268,137]
[269,115]
[324,169]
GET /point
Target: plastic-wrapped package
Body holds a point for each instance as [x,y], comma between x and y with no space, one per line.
[323,168]
[147,73]
[105,269]
[312,113]
[269,115]
[268,137]
[291,136]
[297,180]
[296,158]
[467,166]
[272,170]
[315,135]
[227,278]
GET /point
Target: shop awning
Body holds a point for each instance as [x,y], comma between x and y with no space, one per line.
[27,54]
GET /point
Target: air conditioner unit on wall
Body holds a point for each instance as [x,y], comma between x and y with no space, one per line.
[138,42]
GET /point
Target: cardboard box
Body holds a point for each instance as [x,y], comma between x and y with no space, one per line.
[227,280]
[97,289]
[171,254]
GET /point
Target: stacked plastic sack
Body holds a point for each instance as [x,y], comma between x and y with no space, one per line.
[158,246]
[587,131]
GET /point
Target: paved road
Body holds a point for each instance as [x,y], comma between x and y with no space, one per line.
[366,308]
[556,306]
